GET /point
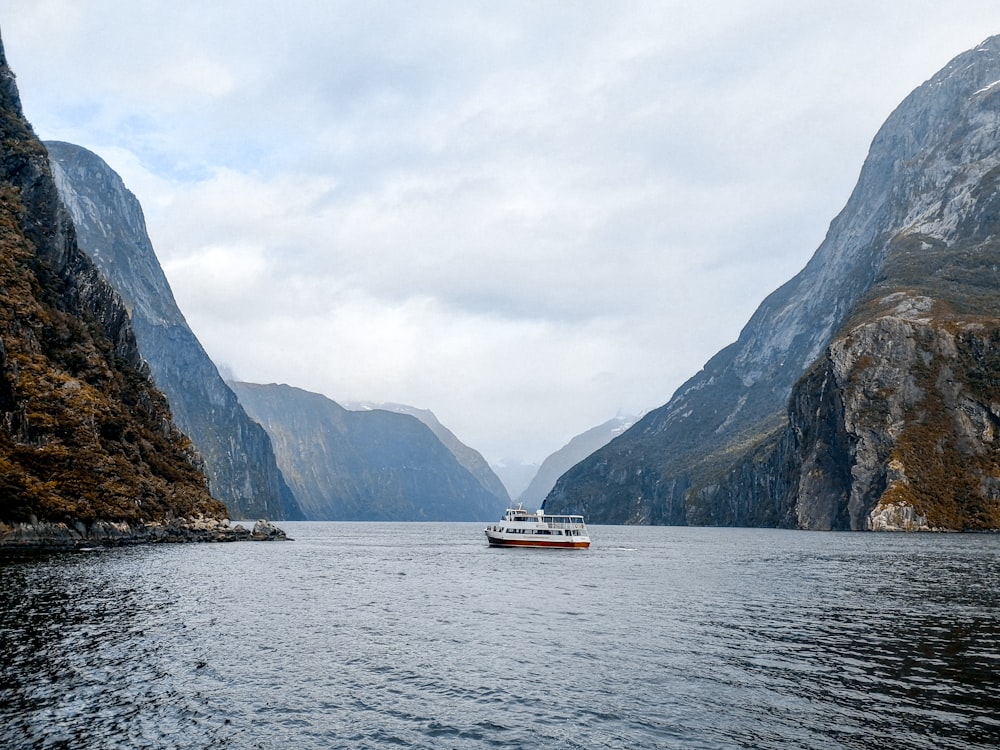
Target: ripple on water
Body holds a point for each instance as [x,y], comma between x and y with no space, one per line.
[374,635]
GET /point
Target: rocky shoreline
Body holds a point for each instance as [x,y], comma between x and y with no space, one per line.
[42,536]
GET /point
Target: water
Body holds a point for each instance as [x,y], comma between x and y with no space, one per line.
[420,636]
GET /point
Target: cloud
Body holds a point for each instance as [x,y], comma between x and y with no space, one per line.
[524,216]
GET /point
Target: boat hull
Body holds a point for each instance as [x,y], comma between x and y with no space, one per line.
[498,540]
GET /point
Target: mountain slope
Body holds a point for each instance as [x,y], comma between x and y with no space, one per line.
[111,229]
[570,454]
[85,436]
[470,458]
[915,242]
[515,475]
[363,465]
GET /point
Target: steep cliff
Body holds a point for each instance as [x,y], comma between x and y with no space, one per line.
[468,457]
[111,229]
[803,421]
[364,465]
[896,426]
[85,436]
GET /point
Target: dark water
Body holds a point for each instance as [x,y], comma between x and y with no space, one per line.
[419,635]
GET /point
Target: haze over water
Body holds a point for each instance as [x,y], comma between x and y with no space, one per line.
[419,635]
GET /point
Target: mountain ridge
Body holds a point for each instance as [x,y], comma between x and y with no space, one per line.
[111,229]
[468,457]
[88,449]
[578,448]
[374,465]
[929,182]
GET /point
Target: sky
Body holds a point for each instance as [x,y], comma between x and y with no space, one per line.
[527,217]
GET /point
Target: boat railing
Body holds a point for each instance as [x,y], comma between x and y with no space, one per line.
[564,524]
[519,515]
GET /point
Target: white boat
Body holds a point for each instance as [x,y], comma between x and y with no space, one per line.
[519,528]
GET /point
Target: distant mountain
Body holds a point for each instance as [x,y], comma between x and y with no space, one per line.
[87,444]
[364,465]
[516,476]
[111,229]
[862,394]
[569,455]
[469,458]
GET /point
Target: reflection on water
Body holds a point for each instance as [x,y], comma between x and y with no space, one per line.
[374,635]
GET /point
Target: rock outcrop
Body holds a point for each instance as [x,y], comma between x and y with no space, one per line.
[111,229]
[905,440]
[863,394]
[34,535]
[370,465]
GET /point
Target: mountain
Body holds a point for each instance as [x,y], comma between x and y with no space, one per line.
[468,457]
[862,394]
[111,229]
[515,475]
[570,454]
[364,465]
[87,442]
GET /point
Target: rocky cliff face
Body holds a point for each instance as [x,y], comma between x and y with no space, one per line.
[111,229]
[894,428]
[371,465]
[85,436]
[468,457]
[862,393]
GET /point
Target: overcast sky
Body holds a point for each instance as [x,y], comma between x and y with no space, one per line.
[525,216]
